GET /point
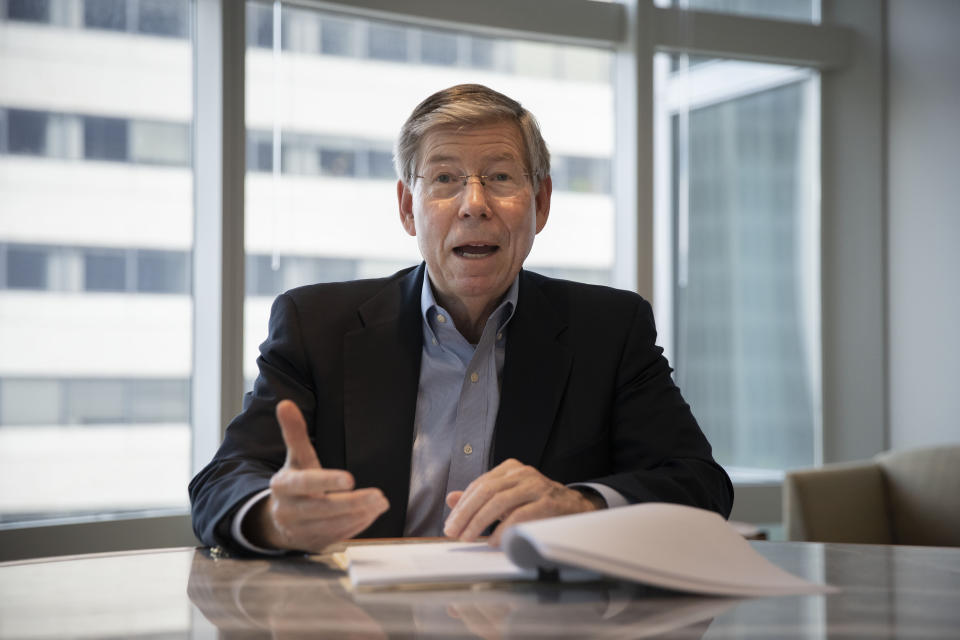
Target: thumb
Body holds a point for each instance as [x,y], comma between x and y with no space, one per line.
[300,452]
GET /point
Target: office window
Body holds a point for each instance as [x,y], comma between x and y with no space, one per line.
[29,402]
[163,271]
[159,143]
[105,138]
[81,321]
[97,402]
[798,10]
[163,17]
[158,401]
[105,14]
[29,10]
[259,25]
[338,37]
[386,42]
[481,53]
[26,268]
[380,165]
[26,132]
[104,270]
[745,227]
[438,48]
[337,162]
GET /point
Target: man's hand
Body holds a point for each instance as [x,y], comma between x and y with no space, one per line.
[511,493]
[309,507]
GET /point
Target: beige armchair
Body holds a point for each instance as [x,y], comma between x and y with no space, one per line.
[899,497]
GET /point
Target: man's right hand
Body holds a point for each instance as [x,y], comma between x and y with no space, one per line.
[309,507]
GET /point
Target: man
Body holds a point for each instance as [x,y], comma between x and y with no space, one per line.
[461,396]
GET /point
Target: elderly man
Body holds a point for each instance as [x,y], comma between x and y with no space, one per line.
[461,396]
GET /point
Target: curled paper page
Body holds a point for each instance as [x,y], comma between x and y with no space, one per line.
[666,545]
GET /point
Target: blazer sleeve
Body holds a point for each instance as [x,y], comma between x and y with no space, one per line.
[658,451]
[253,449]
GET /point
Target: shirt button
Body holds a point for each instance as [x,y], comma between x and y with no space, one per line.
[467,449]
[500,336]
[474,377]
[434,340]
[441,318]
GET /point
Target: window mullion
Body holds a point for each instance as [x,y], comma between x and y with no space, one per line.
[218,276]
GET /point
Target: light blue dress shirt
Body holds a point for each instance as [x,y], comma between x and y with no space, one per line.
[457,403]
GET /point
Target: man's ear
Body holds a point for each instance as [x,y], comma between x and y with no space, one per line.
[542,201]
[405,202]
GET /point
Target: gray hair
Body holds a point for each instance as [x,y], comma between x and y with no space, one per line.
[468,105]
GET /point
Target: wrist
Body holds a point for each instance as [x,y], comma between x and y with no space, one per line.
[258,526]
[592,497]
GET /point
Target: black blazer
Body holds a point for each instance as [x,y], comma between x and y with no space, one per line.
[586,395]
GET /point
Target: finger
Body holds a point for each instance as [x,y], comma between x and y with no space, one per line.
[310,523]
[472,513]
[523,513]
[310,482]
[480,492]
[300,451]
[348,526]
[334,505]
[453,498]
[361,524]
[499,507]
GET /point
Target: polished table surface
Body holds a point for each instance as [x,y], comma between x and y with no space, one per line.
[886,592]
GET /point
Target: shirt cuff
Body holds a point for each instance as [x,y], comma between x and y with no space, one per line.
[611,496]
[236,528]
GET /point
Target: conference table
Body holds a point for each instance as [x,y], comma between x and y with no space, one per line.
[885,592]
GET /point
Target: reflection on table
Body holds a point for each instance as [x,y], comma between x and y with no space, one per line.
[886,592]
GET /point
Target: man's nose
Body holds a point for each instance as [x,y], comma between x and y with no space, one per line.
[474,199]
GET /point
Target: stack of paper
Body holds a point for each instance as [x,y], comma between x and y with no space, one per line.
[664,545]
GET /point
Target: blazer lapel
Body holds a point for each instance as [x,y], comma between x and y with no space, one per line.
[381,377]
[535,374]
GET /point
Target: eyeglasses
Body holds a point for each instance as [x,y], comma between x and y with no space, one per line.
[500,183]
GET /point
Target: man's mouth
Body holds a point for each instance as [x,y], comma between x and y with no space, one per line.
[479,250]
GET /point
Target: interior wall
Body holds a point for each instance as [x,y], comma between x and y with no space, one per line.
[923,231]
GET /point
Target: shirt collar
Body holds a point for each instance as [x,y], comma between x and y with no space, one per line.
[505,308]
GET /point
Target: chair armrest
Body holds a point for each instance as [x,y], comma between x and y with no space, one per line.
[837,503]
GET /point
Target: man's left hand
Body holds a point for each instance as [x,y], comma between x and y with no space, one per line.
[511,492]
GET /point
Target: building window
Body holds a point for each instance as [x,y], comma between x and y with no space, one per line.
[26,268]
[437,47]
[163,18]
[163,272]
[338,37]
[104,270]
[27,132]
[158,143]
[380,165]
[105,14]
[105,138]
[29,10]
[481,53]
[337,162]
[29,402]
[386,42]
[745,243]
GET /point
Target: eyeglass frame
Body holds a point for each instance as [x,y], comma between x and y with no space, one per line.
[466,179]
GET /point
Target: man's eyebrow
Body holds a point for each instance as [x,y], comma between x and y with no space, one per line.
[506,155]
[437,159]
[497,157]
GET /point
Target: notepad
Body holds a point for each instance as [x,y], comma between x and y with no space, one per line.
[663,545]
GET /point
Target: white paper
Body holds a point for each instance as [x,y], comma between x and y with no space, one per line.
[665,545]
[431,562]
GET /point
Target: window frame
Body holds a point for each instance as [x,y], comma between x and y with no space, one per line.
[850,58]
